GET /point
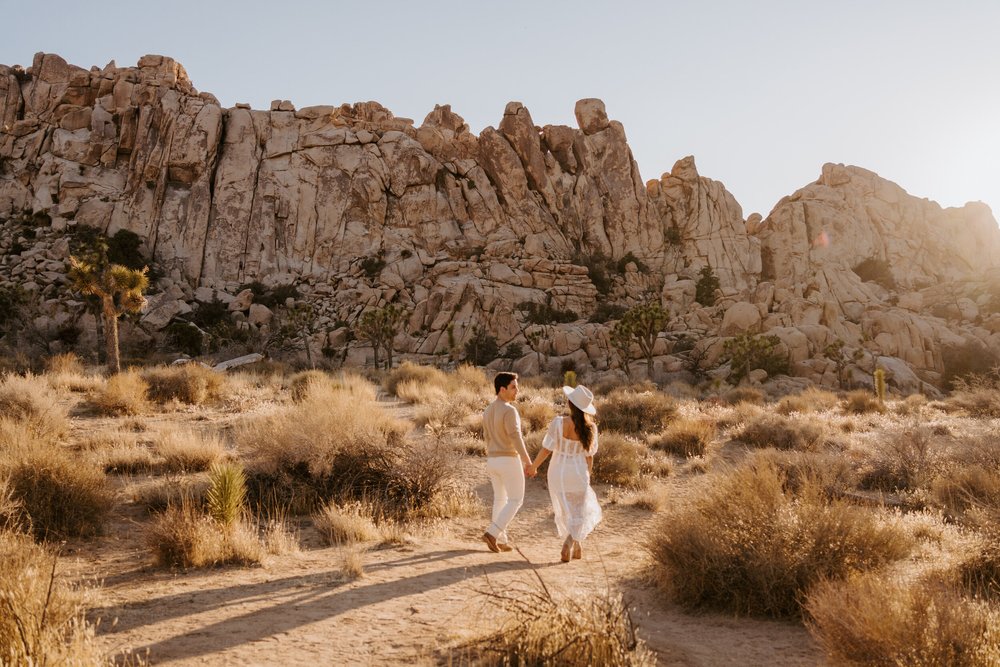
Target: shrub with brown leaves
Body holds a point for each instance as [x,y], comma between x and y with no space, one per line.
[751,546]
[810,400]
[28,399]
[184,536]
[874,620]
[861,402]
[636,414]
[618,460]
[123,394]
[769,430]
[685,437]
[189,383]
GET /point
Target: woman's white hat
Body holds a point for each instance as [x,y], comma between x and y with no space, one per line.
[582,398]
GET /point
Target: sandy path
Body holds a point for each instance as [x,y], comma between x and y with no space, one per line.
[414,601]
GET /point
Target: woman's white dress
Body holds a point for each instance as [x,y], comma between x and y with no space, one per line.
[574,502]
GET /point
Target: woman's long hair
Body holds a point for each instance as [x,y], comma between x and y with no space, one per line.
[584,425]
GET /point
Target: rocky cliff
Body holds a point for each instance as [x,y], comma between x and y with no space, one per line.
[360,208]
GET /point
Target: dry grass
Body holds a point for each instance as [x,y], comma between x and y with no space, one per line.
[653,498]
[12,516]
[346,524]
[123,394]
[685,437]
[750,545]
[414,376]
[636,414]
[28,399]
[62,495]
[536,414]
[810,400]
[183,536]
[590,629]
[904,461]
[352,562]
[769,430]
[873,620]
[861,402]
[66,371]
[977,397]
[43,619]
[439,409]
[303,385]
[618,460]
[279,538]
[159,494]
[188,451]
[189,383]
[128,458]
[739,395]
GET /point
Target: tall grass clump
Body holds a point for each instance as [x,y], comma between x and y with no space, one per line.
[749,545]
[685,437]
[769,430]
[42,618]
[28,399]
[810,400]
[184,536]
[188,451]
[739,395]
[189,383]
[123,394]
[874,620]
[905,461]
[346,524]
[414,375]
[977,396]
[636,413]
[618,460]
[861,401]
[334,446]
[66,371]
[537,629]
[61,495]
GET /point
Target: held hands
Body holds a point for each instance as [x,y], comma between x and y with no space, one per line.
[530,470]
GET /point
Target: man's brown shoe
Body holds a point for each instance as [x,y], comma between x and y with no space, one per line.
[503,546]
[491,542]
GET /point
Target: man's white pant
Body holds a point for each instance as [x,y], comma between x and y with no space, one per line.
[507,477]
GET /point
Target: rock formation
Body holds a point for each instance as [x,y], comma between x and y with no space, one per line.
[360,208]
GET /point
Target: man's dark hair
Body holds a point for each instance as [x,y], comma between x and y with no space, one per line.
[503,380]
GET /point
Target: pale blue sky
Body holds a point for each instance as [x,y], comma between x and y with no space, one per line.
[762,93]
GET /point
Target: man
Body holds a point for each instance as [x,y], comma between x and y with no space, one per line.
[507,459]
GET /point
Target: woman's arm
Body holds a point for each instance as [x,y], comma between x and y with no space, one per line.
[539,459]
[590,464]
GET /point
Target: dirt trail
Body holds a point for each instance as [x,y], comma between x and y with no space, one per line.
[413,600]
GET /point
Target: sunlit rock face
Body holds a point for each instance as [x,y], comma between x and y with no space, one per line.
[361,208]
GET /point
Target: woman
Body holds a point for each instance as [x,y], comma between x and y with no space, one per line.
[572,442]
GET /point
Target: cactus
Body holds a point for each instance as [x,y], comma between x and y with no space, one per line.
[880,385]
[569,378]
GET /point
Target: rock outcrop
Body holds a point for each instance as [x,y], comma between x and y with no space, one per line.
[360,208]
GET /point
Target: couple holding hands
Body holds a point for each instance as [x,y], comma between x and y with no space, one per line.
[571,441]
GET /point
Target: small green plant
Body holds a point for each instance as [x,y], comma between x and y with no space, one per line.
[545,313]
[673,235]
[705,288]
[879,378]
[227,493]
[747,352]
[607,311]
[631,258]
[481,348]
[372,266]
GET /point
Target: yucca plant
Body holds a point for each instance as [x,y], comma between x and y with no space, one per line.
[880,385]
[227,493]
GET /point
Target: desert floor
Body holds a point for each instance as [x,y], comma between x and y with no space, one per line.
[416,601]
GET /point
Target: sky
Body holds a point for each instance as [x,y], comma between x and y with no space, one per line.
[761,92]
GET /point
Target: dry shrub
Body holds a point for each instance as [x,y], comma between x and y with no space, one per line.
[810,400]
[414,375]
[12,516]
[185,537]
[352,563]
[305,383]
[860,401]
[333,446]
[42,618]
[911,405]
[346,524]
[128,458]
[959,488]
[739,414]
[473,378]
[873,620]
[536,415]
[618,460]
[66,371]
[685,437]
[769,430]
[903,462]
[159,494]
[976,396]
[438,409]
[654,499]
[123,394]
[743,395]
[62,495]
[189,383]
[188,451]
[593,629]
[67,363]
[978,573]
[29,399]
[636,414]
[751,546]
[279,538]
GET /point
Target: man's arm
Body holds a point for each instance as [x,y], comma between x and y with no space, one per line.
[512,424]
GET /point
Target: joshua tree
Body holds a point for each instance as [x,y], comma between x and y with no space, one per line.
[119,290]
[621,341]
[379,327]
[643,323]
